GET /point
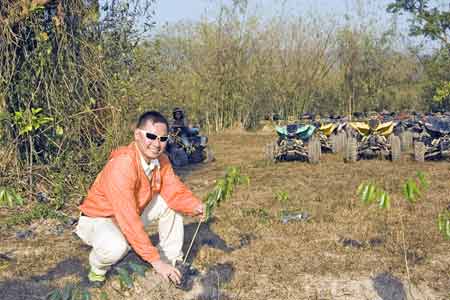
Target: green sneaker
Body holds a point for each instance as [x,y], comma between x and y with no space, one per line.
[96,280]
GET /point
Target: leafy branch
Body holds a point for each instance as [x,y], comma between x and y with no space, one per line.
[223,189]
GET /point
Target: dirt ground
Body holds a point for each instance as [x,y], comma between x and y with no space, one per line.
[341,249]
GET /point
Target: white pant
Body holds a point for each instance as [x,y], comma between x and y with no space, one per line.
[109,244]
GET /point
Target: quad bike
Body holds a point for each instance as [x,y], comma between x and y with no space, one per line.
[332,137]
[186,146]
[409,130]
[433,142]
[295,142]
[372,140]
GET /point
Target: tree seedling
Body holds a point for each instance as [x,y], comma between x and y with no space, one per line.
[223,189]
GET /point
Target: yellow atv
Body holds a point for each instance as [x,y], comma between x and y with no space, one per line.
[372,140]
[332,137]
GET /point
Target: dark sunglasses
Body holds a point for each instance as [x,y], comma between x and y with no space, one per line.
[153,137]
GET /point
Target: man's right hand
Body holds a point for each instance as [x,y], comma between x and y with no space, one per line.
[167,271]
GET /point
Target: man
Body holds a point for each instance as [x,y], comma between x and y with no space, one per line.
[137,186]
[181,123]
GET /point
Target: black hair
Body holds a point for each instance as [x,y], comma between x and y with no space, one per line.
[152,116]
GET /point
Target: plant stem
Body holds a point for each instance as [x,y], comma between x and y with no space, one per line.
[192,241]
[31,168]
[405,255]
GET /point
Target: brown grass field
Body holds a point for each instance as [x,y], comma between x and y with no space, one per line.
[345,250]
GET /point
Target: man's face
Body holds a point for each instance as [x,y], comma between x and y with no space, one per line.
[151,148]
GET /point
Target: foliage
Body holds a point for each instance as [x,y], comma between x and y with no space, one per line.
[369,192]
[8,197]
[282,197]
[223,189]
[76,292]
[28,121]
[432,21]
[429,19]
[413,187]
[38,211]
[443,222]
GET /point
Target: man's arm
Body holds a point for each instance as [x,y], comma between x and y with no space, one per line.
[176,194]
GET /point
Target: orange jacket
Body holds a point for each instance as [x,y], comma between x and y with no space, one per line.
[122,191]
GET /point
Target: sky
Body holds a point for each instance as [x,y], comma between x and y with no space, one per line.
[170,11]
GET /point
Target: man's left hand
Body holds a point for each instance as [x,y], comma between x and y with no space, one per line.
[200,210]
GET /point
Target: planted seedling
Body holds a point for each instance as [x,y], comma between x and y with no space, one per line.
[221,191]
[8,197]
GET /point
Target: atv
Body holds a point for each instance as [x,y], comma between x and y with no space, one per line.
[186,146]
[332,136]
[295,142]
[372,140]
[434,141]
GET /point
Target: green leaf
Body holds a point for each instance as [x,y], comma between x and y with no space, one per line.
[441,223]
[2,196]
[67,292]
[447,228]
[384,200]
[54,295]
[125,278]
[9,199]
[422,179]
[35,111]
[76,293]
[104,296]
[360,188]
[59,130]
[368,193]
[85,295]
[138,268]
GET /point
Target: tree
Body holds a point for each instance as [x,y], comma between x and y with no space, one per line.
[429,20]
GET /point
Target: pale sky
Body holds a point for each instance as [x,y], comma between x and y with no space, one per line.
[176,10]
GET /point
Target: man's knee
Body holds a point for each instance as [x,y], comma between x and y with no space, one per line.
[112,250]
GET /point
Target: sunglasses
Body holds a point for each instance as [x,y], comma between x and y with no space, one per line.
[153,137]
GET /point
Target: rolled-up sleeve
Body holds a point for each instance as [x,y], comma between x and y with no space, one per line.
[177,195]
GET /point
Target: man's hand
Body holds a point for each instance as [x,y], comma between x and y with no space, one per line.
[167,271]
[200,210]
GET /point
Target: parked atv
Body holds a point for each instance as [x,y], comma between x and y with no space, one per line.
[434,141]
[295,142]
[372,140]
[186,146]
[332,137]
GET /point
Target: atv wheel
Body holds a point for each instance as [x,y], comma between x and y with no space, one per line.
[197,156]
[395,148]
[338,142]
[270,151]
[406,139]
[209,155]
[179,157]
[351,150]
[419,151]
[314,151]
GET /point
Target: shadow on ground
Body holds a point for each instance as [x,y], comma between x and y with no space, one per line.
[37,287]
[388,287]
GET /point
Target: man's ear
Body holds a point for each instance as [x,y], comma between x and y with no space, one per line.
[136,134]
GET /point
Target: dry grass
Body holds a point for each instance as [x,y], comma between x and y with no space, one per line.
[271,260]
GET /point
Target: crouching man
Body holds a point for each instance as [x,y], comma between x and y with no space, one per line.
[137,186]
